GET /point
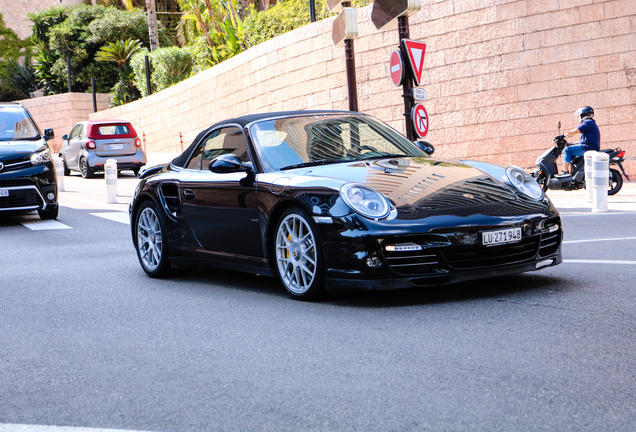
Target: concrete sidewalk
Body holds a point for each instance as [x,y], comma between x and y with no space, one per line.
[91,193]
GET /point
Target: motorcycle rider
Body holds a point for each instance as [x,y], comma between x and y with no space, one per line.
[590,139]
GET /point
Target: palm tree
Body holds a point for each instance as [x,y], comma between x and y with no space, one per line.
[152,25]
[120,52]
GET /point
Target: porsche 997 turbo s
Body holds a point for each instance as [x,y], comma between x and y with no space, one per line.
[338,200]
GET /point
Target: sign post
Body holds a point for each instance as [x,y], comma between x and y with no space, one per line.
[345,29]
[389,14]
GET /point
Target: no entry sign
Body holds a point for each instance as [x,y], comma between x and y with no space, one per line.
[420,120]
[397,68]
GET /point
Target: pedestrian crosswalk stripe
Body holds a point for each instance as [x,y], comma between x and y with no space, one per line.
[8,427]
[33,222]
[121,217]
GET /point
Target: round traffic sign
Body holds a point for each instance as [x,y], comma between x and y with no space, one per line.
[420,120]
[397,68]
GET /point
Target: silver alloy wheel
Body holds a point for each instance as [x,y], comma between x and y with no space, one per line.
[296,253]
[149,239]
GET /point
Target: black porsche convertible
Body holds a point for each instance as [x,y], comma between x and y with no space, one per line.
[338,200]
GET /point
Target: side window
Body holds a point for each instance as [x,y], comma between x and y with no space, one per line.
[75,133]
[219,142]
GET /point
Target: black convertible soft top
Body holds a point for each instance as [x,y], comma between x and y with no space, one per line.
[243,121]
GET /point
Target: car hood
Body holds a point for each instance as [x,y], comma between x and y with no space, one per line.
[10,150]
[423,185]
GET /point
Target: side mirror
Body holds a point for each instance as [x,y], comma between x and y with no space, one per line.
[49,134]
[228,163]
[425,146]
[65,137]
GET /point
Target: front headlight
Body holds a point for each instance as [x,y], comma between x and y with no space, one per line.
[41,157]
[365,201]
[524,182]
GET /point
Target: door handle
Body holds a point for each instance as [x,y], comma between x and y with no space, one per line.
[188,194]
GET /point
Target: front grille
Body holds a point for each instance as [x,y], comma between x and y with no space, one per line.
[6,183]
[412,263]
[20,198]
[475,257]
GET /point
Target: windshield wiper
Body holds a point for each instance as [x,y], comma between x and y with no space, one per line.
[313,163]
[386,155]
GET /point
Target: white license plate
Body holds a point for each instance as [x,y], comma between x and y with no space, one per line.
[116,146]
[4,192]
[499,237]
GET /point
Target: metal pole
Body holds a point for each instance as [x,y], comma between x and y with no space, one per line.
[403,30]
[350,64]
[148,88]
[94,94]
[312,10]
[68,72]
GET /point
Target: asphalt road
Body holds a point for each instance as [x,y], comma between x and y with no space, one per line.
[88,340]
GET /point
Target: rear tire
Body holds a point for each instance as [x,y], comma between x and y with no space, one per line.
[85,169]
[615,182]
[151,241]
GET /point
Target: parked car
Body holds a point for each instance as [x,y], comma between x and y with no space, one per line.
[27,172]
[338,200]
[91,143]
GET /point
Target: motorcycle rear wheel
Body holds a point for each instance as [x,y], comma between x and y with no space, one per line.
[615,182]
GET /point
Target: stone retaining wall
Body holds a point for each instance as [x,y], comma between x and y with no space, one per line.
[61,112]
[499,76]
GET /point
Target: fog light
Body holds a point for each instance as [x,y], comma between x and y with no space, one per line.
[50,196]
[373,262]
[403,247]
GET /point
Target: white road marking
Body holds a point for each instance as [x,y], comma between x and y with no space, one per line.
[599,240]
[582,261]
[33,222]
[121,217]
[8,427]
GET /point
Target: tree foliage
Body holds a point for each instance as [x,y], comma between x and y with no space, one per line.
[12,73]
[79,34]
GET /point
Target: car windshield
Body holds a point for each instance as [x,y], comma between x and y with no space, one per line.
[15,124]
[315,140]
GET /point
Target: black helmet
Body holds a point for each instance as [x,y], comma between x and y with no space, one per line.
[585,112]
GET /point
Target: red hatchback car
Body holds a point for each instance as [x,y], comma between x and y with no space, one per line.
[91,143]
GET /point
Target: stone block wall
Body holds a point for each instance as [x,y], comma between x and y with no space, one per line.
[500,75]
[14,12]
[61,112]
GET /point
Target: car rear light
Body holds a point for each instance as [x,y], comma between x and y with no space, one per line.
[137,142]
[91,145]
[620,154]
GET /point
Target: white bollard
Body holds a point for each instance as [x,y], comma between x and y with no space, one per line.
[110,167]
[600,182]
[589,168]
[59,173]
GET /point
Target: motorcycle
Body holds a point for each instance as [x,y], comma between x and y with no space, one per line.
[548,177]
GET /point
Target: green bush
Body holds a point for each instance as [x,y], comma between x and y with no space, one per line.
[168,66]
[14,78]
[281,18]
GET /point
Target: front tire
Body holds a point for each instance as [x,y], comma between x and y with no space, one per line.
[67,171]
[85,169]
[298,255]
[615,182]
[543,182]
[50,213]
[151,241]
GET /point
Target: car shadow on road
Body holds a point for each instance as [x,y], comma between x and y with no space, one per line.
[501,288]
